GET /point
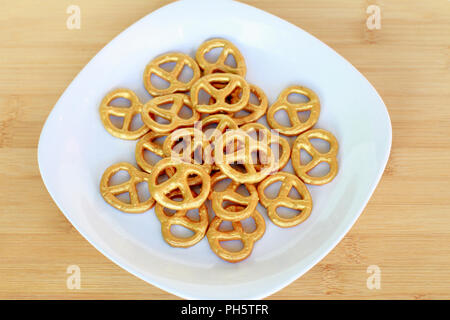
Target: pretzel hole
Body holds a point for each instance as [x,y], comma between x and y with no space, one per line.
[150,157]
[297,98]
[249,225]
[116,121]
[282,118]
[162,177]
[272,190]
[180,231]
[305,157]
[230,61]
[221,185]
[185,112]
[287,213]
[243,190]
[158,82]
[168,66]
[186,74]
[320,145]
[254,98]
[228,203]
[136,122]
[161,120]
[232,245]
[238,167]
[120,102]
[124,197]
[225,226]
[321,170]
[303,116]
[169,212]
[277,150]
[213,55]
[234,96]
[193,215]
[178,197]
[142,191]
[119,177]
[205,98]
[294,194]
[165,106]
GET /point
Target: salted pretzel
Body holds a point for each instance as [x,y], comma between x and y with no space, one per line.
[220,65]
[256,111]
[110,193]
[288,181]
[303,142]
[153,108]
[262,134]
[179,181]
[181,218]
[175,85]
[292,109]
[192,141]
[218,198]
[243,147]
[106,111]
[220,86]
[215,236]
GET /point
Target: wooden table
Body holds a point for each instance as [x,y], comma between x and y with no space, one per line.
[404,230]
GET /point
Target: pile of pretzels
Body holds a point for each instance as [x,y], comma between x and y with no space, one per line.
[218,141]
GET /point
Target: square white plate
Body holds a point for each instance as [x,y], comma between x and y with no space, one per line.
[75,149]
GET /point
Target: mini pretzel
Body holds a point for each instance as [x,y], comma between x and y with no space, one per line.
[109,193]
[256,111]
[263,135]
[223,122]
[180,218]
[179,180]
[313,105]
[147,143]
[175,85]
[215,236]
[106,110]
[212,84]
[219,65]
[302,142]
[243,147]
[288,181]
[247,203]
[153,107]
[196,139]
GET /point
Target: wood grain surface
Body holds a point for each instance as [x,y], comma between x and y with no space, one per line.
[405,228]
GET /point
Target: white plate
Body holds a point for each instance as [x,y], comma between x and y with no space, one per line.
[75,149]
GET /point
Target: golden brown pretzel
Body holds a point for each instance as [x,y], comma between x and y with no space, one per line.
[223,123]
[215,236]
[192,140]
[288,181]
[218,198]
[243,147]
[109,193]
[153,108]
[147,143]
[220,65]
[256,111]
[175,85]
[180,218]
[302,142]
[179,181]
[263,135]
[282,103]
[106,110]
[229,83]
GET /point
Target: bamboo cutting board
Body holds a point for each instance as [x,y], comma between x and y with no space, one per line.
[404,230]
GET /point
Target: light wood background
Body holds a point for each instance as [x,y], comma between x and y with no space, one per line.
[405,229]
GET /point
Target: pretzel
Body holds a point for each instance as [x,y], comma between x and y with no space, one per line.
[263,135]
[218,198]
[109,193]
[243,147]
[147,143]
[195,139]
[179,181]
[180,218]
[302,142]
[215,236]
[219,65]
[220,86]
[256,111]
[153,107]
[106,110]
[175,85]
[282,103]
[288,181]
[223,122]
